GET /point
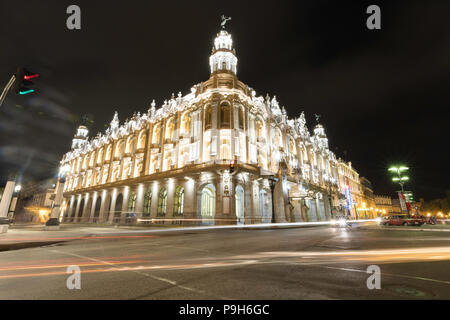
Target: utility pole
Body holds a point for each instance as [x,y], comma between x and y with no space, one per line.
[7,88]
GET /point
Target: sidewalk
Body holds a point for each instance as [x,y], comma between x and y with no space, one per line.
[424,227]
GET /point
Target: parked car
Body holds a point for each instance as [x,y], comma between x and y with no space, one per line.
[401,220]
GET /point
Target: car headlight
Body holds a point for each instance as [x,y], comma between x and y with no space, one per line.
[378,220]
[342,222]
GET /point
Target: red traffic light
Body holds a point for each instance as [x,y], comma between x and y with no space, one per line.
[31,76]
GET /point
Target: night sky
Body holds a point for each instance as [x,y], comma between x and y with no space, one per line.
[383,94]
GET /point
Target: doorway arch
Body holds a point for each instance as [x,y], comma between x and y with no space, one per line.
[264,206]
[208,204]
[80,209]
[239,204]
[118,207]
[98,203]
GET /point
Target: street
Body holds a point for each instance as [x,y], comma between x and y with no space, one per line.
[305,263]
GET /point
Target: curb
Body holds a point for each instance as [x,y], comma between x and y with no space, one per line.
[409,229]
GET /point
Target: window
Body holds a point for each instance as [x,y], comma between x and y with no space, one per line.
[147,203]
[132,202]
[100,156]
[108,153]
[170,127]
[162,202]
[178,201]
[156,134]
[131,145]
[142,138]
[119,149]
[224,115]
[208,117]
[241,118]
[186,124]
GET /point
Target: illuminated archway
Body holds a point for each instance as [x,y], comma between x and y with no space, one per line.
[208,204]
[239,204]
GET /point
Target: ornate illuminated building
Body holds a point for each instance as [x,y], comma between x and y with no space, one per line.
[213,156]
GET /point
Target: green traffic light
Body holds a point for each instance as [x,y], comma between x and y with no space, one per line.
[26,92]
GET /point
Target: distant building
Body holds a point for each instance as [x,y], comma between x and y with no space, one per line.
[368,205]
[350,187]
[35,201]
[384,204]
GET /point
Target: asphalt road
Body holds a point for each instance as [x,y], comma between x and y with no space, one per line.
[306,263]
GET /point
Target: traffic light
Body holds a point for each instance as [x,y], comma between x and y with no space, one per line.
[232,164]
[23,81]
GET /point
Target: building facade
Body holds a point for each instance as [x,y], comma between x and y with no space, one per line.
[35,201]
[218,155]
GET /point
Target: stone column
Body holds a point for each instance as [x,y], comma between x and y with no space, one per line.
[93,205]
[6,198]
[112,208]
[279,202]
[103,205]
[140,200]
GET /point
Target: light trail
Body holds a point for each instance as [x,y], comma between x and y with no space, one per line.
[244,226]
[138,268]
[76,238]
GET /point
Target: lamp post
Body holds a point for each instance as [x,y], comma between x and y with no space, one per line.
[400,178]
[272,181]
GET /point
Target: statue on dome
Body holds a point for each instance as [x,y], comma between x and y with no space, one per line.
[224,21]
[317,117]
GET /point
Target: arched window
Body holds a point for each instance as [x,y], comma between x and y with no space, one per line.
[108,153]
[85,160]
[162,202]
[92,159]
[98,204]
[208,204]
[100,156]
[224,115]
[241,118]
[292,148]
[259,128]
[131,145]
[147,203]
[118,207]
[186,124]
[131,202]
[239,204]
[178,201]
[208,117]
[156,134]
[119,149]
[170,129]
[142,138]
[305,154]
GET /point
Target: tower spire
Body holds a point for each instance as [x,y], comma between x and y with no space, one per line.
[223,56]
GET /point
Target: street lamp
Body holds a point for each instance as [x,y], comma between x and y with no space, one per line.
[399,178]
[272,181]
